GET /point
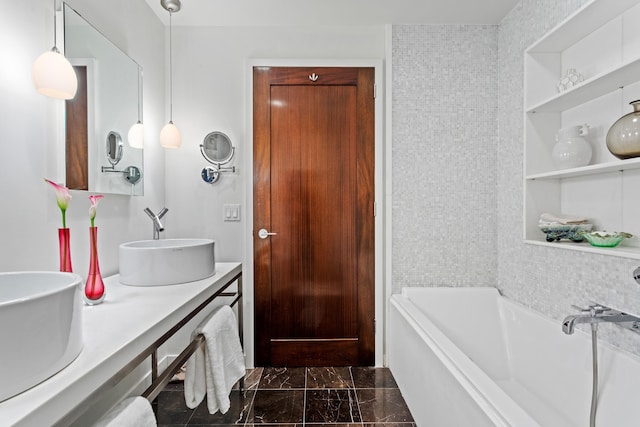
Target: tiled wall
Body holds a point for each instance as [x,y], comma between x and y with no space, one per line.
[457,172]
[444,155]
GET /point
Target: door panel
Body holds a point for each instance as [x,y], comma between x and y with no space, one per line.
[313,187]
[77,135]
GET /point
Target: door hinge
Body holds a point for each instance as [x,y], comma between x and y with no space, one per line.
[375,91]
[374,326]
[375,208]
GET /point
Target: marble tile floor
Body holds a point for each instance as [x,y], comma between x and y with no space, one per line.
[297,397]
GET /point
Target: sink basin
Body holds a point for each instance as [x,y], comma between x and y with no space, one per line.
[40,327]
[166,262]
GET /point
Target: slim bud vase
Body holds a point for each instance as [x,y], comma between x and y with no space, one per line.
[94,292]
[65,250]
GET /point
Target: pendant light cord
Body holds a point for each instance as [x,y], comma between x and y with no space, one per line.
[55,29]
[170,69]
[140,95]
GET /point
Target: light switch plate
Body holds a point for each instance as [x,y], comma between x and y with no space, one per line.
[231,212]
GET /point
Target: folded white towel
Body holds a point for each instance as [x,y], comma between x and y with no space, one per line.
[563,219]
[131,412]
[214,370]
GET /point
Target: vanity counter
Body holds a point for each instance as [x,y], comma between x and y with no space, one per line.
[127,323]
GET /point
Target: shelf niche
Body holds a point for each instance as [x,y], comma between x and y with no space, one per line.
[599,40]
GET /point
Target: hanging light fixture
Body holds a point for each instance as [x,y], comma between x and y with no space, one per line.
[52,73]
[136,132]
[170,135]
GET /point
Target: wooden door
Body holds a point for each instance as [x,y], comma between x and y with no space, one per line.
[77,136]
[314,188]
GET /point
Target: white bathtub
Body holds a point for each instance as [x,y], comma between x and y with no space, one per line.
[470,357]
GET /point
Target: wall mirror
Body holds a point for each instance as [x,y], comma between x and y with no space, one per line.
[107,104]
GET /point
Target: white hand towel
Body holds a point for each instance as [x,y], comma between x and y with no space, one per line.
[214,370]
[562,219]
[131,412]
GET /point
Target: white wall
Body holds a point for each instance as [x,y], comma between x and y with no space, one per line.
[29,212]
[210,66]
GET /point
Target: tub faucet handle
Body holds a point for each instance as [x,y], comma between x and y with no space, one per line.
[594,309]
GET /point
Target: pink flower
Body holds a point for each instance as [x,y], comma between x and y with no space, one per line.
[95,198]
[63,196]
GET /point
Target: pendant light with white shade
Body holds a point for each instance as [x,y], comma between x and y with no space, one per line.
[52,73]
[170,135]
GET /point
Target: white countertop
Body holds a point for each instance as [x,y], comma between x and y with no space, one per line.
[128,321]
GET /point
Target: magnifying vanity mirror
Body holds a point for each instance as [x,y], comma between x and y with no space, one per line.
[115,148]
[96,156]
[218,150]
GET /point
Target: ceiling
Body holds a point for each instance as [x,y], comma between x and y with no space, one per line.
[334,12]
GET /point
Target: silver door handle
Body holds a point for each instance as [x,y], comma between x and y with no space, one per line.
[263,233]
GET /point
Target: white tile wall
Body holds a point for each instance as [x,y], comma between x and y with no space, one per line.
[444,155]
[457,172]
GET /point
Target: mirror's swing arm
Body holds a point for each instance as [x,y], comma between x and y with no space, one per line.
[131,174]
[211,174]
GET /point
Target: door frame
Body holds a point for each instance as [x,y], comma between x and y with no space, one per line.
[380,243]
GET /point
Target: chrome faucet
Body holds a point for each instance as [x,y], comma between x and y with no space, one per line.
[157,225]
[598,313]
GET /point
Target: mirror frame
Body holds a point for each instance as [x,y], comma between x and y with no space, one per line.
[208,152]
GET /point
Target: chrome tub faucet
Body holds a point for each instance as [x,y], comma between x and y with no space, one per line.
[598,313]
[157,225]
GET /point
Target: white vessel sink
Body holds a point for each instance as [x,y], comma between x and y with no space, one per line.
[166,262]
[40,327]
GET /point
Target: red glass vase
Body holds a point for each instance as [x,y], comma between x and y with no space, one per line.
[94,287]
[65,250]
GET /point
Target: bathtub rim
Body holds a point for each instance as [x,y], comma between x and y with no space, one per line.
[502,410]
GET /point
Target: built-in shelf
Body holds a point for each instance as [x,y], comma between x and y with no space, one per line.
[617,166]
[580,24]
[598,39]
[592,88]
[618,251]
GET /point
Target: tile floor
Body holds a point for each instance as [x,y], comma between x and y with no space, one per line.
[296,397]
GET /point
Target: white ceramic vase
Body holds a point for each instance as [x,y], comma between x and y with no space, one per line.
[571,149]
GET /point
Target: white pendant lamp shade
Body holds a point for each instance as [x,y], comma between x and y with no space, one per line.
[53,76]
[170,136]
[136,135]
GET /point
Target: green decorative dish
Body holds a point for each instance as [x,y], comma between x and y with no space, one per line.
[605,239]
